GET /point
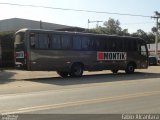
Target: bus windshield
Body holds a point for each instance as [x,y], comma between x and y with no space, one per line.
[19,38]
[19,41]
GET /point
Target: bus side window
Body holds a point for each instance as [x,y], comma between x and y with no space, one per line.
[97,45]
[130,45]
[119,45]
[139,48]
[102,44]
[77,42]
[32,40]
[42,41]
[113,44]
[94,43]
[66,41]
[85,43]
[55,42]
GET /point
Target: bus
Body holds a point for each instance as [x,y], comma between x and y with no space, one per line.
[71,53]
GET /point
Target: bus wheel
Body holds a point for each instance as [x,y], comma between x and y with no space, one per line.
[62,74]
[76,70]
[114,71]
[130,69]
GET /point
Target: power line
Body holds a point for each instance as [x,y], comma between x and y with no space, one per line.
[76,10]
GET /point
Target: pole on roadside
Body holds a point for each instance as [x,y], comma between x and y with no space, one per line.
[157,17]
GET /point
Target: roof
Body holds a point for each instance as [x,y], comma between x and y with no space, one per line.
[79,33]
[15,24]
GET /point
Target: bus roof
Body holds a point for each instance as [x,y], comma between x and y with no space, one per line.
[79,33]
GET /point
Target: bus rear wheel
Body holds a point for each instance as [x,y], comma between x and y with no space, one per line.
[130,69]
[62,74]
[76,70]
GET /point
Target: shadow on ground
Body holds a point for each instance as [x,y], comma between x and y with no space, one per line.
[5,76]
[97,78]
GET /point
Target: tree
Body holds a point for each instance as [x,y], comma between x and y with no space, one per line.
[151,37]
[98,30]
[112,26]
[142,34]
[124,32]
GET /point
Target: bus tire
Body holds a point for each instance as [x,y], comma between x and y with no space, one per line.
[76,70]
[114,71]
[62,74]
[130,68]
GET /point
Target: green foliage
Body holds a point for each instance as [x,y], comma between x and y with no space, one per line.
[6,33]
[112,27]
[151,37]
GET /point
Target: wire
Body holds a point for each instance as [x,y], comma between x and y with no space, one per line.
[77,10]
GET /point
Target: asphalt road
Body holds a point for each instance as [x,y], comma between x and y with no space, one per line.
[92,94]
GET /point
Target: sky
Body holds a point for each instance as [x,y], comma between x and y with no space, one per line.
[80,19]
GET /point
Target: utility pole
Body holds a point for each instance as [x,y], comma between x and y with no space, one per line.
[157,17]
[40,24]
[94,22]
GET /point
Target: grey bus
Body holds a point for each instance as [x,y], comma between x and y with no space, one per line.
[71,53]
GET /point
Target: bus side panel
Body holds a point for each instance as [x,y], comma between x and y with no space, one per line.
[62,60]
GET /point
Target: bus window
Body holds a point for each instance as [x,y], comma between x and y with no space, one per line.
[19,41]
[130,44]
[77,42]
[143,50]
[93,43]
[134,46]
[42,41]
[66,41]
[97,45]
[119,44]
[56,42]
[85,43]
[111,44]
[19,38]
[101,44]
[32,40]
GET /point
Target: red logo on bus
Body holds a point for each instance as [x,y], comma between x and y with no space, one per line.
[100,55]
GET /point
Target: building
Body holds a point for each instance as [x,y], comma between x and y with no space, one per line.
[14,24]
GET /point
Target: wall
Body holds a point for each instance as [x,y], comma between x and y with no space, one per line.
[0,54]
[7,50]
